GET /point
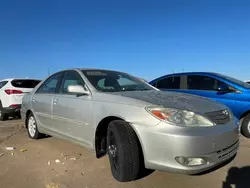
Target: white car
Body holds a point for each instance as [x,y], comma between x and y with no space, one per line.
[11,94]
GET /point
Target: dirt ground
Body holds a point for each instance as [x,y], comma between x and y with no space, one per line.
[32,165]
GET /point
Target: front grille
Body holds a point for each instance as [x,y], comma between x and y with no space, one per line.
[219,117]
[228,150]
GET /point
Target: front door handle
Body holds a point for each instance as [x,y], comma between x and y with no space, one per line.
[55,101]
[33,99]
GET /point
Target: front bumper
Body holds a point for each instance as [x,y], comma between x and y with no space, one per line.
[162,143]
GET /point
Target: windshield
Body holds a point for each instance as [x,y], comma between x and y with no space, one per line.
[236,81]
[112,81]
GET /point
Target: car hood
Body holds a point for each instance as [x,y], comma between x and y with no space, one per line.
[175,100]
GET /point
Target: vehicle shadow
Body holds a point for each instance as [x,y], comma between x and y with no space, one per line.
[144,173]
[237,178]
[217,167]
[12,118]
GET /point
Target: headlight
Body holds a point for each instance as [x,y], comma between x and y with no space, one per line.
[178,117]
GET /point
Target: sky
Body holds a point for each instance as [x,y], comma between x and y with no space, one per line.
[144,38]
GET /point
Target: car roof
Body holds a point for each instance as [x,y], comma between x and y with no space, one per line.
[186,73]
[91,69]
[10,79]
[95,69]
[87,69]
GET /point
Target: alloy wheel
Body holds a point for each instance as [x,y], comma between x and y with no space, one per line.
[113,152]
[248,127]
[32,126]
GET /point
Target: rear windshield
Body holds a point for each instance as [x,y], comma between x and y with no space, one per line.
[25,83]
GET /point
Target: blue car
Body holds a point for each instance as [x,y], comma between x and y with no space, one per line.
[230,91]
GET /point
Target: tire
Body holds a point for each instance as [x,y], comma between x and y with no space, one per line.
[3,116]
[245,126]
[32,127]
[124,151]
[18,115]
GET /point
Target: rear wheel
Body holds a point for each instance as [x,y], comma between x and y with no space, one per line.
[3,116]
[245,126]
[18,115]
[32,127]
[124,151]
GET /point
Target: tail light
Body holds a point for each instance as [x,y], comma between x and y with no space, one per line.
[13,91]
[14,105]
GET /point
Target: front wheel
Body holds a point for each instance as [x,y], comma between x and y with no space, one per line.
[32,127]
[245,126]
[123,151]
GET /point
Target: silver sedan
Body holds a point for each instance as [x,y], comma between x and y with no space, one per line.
[138,126]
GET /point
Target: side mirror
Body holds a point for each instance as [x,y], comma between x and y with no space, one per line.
[77,89]
[223,88]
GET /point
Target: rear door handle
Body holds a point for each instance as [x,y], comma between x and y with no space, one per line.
[33,99]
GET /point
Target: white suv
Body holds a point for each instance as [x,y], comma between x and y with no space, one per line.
[11,94]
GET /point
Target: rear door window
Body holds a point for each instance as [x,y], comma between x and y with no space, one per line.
[198,82]
[24,83]
[172,82]
[154,84]
[3,83]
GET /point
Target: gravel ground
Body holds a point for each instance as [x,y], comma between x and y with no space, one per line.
[32,164]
